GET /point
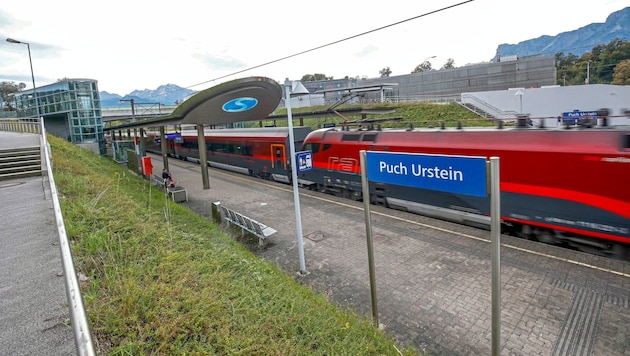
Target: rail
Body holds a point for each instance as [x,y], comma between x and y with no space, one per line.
[78,316]
[20,125]
[491,109]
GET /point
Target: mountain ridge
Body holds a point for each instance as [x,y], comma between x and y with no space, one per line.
[577,42]
[168,94]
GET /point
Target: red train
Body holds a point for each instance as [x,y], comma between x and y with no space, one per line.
[258,152]
[560,186]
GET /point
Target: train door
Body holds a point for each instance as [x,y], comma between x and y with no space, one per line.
[278,156]
[170,147]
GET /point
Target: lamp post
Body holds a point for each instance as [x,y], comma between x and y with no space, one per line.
[28,46]
[422,77]
[295,91]
[588,72]
[519,93]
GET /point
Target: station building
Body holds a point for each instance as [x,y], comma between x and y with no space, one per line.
[71,109]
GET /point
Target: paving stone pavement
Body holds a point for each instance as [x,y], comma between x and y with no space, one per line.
[433,278]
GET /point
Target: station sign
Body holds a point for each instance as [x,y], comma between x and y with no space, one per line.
[454,174]
[573,116]
[304,161]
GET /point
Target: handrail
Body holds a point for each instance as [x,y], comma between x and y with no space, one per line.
[489,108]
[20,125]
[78,316]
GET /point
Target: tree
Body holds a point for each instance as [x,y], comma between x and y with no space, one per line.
[314,77]
[450,64]
[621,74]
[423,67]
[7,89]
[598,65]
[385,72]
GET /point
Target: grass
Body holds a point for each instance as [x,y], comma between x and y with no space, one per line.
[420,115]
[162,280]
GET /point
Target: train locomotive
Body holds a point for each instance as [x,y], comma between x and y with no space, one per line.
[558,185]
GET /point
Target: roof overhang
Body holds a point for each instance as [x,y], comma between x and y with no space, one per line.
[246,99]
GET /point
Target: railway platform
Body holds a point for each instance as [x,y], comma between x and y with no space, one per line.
[34,317]
[433,278]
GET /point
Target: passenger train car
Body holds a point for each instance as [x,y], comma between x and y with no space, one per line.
[562,186]
[558,185]
[261,152]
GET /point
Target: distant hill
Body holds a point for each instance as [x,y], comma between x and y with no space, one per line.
[578,42]
[167,94]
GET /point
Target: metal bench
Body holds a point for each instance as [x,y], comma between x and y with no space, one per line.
[252,226]
[177,193]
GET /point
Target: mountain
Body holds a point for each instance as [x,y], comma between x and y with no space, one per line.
[578,42]
[167,94]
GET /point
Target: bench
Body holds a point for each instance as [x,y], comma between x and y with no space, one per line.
[252,226]
[177,193]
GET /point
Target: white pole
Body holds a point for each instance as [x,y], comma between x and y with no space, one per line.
[495,232]
[294,179]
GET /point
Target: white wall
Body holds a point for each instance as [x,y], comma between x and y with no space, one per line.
[550,102]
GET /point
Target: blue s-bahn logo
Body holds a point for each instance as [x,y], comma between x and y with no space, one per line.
[240,104]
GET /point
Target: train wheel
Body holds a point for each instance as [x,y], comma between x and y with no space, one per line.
[621,252]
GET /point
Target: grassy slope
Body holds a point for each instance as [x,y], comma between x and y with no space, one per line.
[420,115]
[163,280]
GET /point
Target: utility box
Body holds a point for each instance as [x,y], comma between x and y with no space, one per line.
[179,194]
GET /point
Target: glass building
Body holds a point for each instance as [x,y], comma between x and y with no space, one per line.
[71,109]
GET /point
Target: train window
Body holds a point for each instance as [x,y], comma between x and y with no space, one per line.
[369,137]
[313,147]
[626,141]
[350,137]
[327,146]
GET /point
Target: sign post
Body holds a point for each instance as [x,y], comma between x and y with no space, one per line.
[454,174]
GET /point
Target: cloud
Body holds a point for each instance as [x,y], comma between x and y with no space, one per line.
[366,51]
[219,62]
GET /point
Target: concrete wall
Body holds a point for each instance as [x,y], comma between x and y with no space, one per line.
[550,102]
[526,72]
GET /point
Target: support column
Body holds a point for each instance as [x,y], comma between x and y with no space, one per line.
[203,159]
[163,146]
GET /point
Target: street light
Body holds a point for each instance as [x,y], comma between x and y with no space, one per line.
[28,46]
[295,89]
[519,93]
[422,74]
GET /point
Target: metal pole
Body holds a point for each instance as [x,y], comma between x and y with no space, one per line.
[368,233]
[294,180]
[33,78]
[28,47]
[203,156]
[163,148]
[495,237]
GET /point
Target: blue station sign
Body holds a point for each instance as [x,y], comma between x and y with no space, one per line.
[573,116]
[304,161]
[455,174]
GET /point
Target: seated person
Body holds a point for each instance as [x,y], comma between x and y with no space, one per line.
[168,179]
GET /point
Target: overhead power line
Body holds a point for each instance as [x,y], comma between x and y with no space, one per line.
[333,43]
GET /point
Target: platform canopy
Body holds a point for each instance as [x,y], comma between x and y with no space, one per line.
[246,99]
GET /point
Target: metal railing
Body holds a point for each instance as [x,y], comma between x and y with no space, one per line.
[78,316]
[20,125]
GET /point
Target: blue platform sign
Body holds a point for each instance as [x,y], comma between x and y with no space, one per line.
[575,115]
[304,161]
[455,174]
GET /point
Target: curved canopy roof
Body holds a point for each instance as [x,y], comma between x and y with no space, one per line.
[246,99]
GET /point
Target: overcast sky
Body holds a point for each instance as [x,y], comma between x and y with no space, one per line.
[138,44]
